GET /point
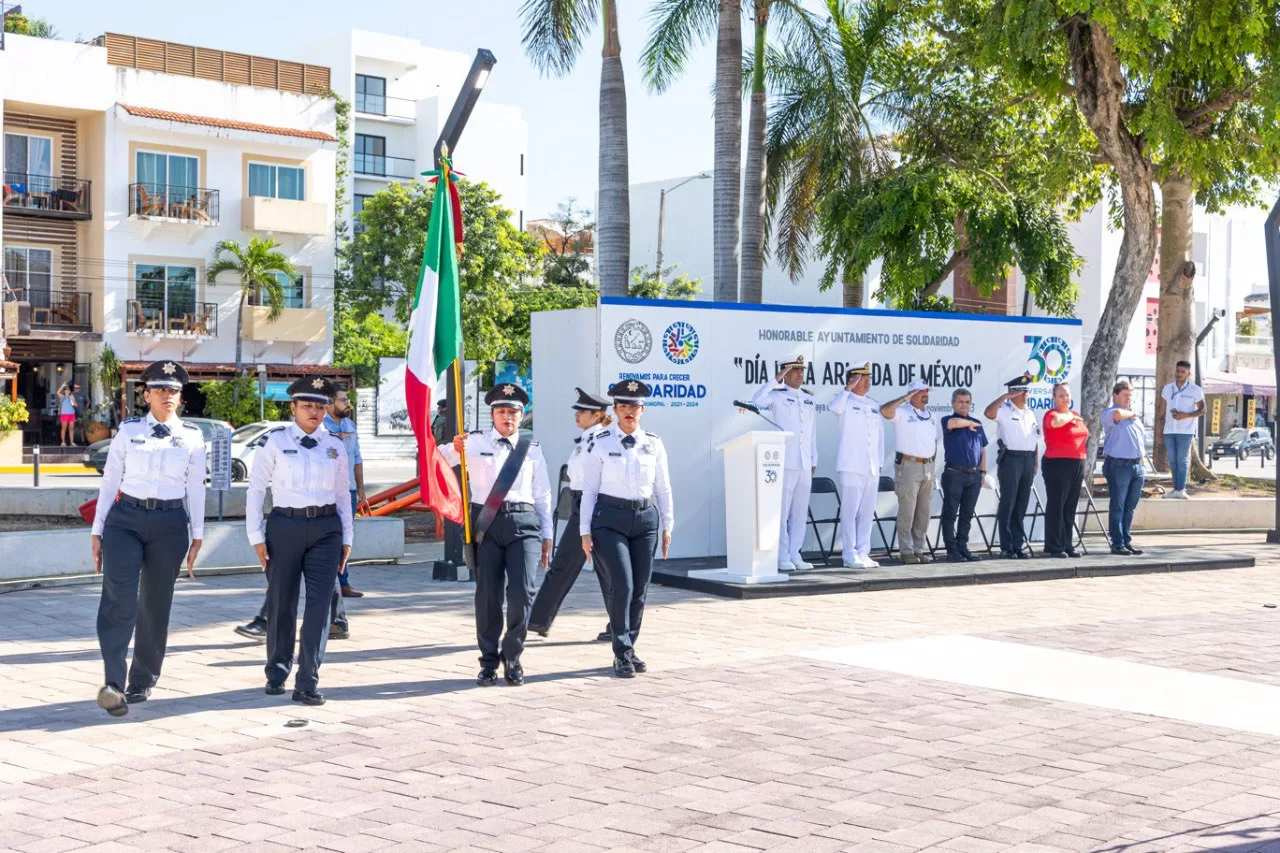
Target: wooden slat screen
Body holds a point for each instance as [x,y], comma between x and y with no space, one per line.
[208,64]
[37,231]
[150,55]
[290,76]
[180,59]
[235,69]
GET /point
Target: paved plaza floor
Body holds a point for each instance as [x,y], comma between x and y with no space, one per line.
[1134,713]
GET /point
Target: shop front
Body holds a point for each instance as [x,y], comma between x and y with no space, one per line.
[44,367]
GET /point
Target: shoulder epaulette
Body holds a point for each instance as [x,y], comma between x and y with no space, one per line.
[191,426]
[578,440]
[132,420]
[651,434]
[601,434]
[807,391]
[276,429]
[475,432]
[261,441]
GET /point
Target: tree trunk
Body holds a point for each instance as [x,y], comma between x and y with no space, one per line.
[854,291]
[235,391]
[728,151]
[1175,339]
[1100,89]
[613,224]
[753,210]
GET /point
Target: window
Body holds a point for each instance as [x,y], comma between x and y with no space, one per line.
[168,178]
[371,154]
[28,160]
[295,291]
[272,181]
[165,291]
[357,205]
[371,94]
[29,270]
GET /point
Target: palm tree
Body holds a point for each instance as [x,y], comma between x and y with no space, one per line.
[256,265]
[553,34]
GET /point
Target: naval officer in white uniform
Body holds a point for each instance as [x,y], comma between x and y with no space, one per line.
[793,410]
[858,464]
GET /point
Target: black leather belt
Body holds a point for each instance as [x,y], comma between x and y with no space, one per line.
[1122,460]
[960,470]
[306,511]
[1008,452]
[151,503]
[610,500]
[507,506]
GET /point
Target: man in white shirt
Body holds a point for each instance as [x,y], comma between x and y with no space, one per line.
[858,464]
[792,409]
[915,435]
[1017,440]
[1182,406]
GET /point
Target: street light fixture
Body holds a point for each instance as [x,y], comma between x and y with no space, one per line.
[662,208]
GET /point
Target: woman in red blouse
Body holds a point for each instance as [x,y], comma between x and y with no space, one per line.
[1065,435]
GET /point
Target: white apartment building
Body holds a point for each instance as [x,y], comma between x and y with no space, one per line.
[126,162]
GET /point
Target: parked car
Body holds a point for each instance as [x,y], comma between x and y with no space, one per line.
[1242,442]
[95,455]
[242,447]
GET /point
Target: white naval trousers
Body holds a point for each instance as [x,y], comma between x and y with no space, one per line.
[857,511]
[796,485]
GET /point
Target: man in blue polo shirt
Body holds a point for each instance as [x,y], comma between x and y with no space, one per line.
[1122,443]
[964,444]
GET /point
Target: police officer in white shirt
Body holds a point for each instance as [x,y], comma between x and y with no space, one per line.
[915,435]
[511,524]
[858,464]
[1017,440]
[625,474]
[792,409]
[154,462]
[307,535]
[590,414]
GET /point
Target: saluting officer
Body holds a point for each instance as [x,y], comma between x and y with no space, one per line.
[154,462]
[915,435]
[590,415]
[511,524]
[307,535]
[625,471]
[793,411]
[1017,440]
[858,464]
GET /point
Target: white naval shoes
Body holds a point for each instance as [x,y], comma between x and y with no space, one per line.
[802,564]
[786,566]
[868,563]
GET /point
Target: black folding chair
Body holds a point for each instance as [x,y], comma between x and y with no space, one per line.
[1083,516]
[886,485]
[825,486]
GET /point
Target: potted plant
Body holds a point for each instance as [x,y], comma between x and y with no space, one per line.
[13,414]
[106,370]
[95,422]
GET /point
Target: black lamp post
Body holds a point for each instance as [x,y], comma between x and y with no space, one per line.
[1272,241]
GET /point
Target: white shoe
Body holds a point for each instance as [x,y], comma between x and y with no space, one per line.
[1182,495]
[786,566]
[1169,496]
[800,563]
[868,563]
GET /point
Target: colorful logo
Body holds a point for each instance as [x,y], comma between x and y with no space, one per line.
[1050,359]
[633,342]
[770,477]
[680,342]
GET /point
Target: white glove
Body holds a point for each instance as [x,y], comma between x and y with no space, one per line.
[988,482]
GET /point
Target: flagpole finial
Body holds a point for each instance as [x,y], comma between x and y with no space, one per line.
[444,149]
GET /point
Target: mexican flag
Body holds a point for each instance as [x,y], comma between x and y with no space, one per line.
[435,339]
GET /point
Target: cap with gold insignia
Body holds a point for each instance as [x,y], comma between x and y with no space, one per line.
[165,374]
[798,361]
[507,394]
[314,389]
[588,402]
[629,391]
[917,385]
[858,368]
[1020,383]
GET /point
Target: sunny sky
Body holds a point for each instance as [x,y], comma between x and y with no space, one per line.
[670,135]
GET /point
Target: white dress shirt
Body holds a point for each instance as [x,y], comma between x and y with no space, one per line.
[143,465]
[1019,429]
[487,452]
[578,458]
[794,411]
[1185,399]
[298,477]
[915,431]
[861,433]
[633,473]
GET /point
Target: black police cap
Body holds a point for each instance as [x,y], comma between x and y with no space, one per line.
[629,391]
[507,394]
[588,402]
[165,374]
[314,389]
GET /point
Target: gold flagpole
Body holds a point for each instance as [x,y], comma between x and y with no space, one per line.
[462,457]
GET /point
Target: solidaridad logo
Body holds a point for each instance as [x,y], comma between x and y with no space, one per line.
[680,342]
[1051,359]
[633,341]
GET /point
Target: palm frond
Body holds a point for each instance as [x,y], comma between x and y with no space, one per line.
[678,26]
[554,31]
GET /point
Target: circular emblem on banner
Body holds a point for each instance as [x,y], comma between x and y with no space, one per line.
[1052,358]
[680,342]
[633,341]
[770,477]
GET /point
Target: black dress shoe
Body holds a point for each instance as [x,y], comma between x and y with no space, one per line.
[954,557]
[134,695]
[970,557]
[308,697]
[624,668]
[275,688]
[1062,555]
[639,665]
[1022,555]
[337,632]
[604,636]
[1008,555]
[111,700]
[513,672]
[1132,550]
[488,676]
[1120,552]
[1073,553]
[254,630]
[540,630]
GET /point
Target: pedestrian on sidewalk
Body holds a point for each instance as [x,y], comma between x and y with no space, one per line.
[1181,407]
[339,422]
[138,540]
[1122,445]
[964,444]
[1065,438]
[67,404]
[916,443]
[1017,443]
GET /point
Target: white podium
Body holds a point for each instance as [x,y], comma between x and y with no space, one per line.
[753,465]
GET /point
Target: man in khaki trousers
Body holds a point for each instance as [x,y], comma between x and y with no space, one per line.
[915,432]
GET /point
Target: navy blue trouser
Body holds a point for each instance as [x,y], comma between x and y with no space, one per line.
[1124,484]
[507,558]
[623,542]
[344,578]
[300,548]
[1015,473]
[960,491]
[142,551]
[562,573]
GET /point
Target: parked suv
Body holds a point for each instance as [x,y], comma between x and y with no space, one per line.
[95,455]
[1241,443]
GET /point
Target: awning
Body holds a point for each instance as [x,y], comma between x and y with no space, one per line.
[200,371]
[1260,383]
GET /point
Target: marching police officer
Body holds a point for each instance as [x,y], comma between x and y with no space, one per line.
[511,525]
[625,471]
[1017,439]
[793,410]
[589,413]
[154,462]
[307,535]
[858,464]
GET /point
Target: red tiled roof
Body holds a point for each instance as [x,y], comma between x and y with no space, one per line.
[165,115]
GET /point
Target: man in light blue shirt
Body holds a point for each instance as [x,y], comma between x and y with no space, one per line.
[338,421]
[1122,451]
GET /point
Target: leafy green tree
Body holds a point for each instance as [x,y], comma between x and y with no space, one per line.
[20,24]
[256,265]
[517,328]
[236,401]
[566,237]
[359,340]
[646,284]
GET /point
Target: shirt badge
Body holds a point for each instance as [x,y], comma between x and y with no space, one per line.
[333,453]
[178,442]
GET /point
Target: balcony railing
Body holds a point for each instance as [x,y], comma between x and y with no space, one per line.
[150,317]
[57,309]
[382,105]
[45,195]
[380,166]
[166,201]
[1253,343]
